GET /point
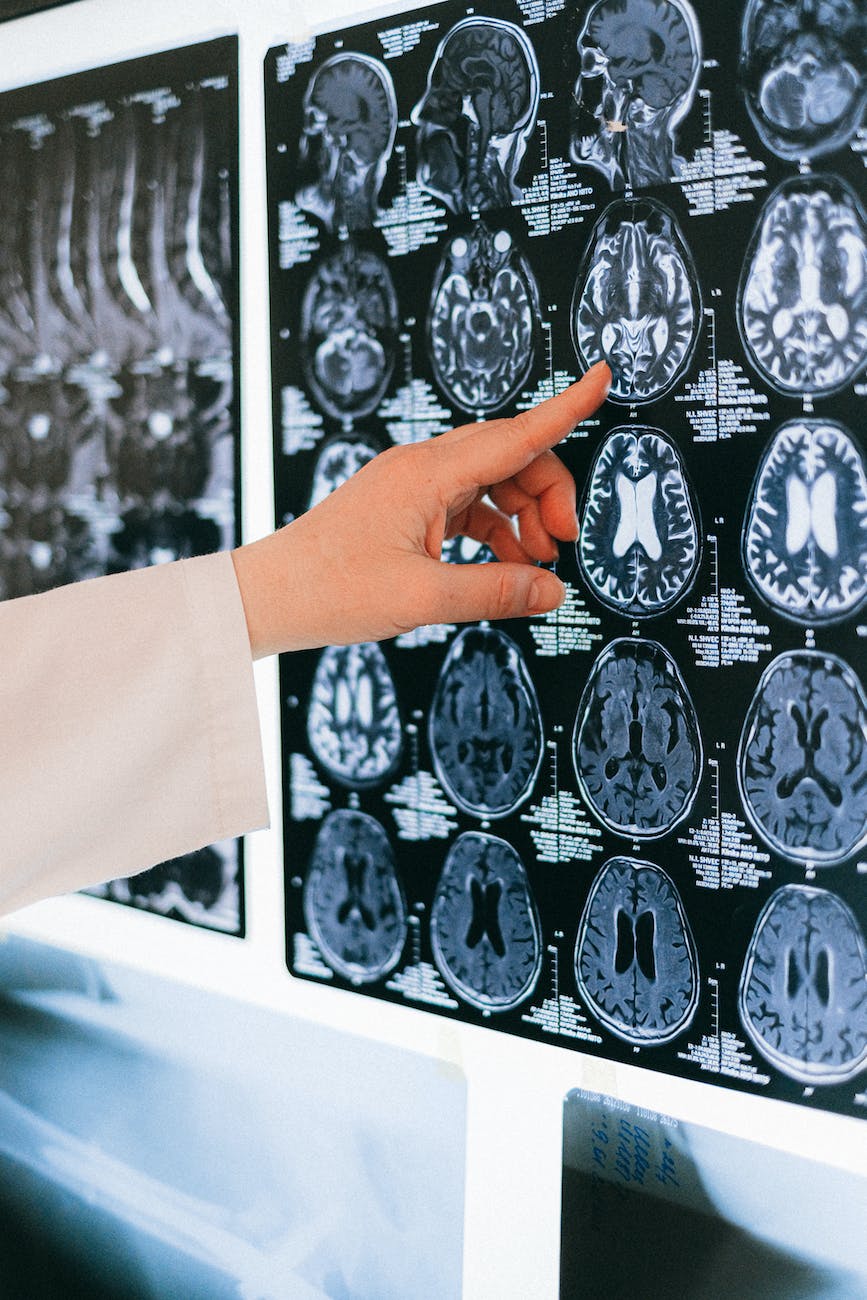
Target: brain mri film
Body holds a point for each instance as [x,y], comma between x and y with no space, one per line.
[485,727]
[353,902]
[802,764]
[803,991]
[485,929]
[639,64]
[353,722]
[349,321]
[483,321]
[803,71]
[805,535]
[639,542]
[635,957]
[474,119]
[339,459]
[350,119]
[802,301]
[637,303]
[636,744]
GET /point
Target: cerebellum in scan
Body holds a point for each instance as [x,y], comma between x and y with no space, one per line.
[353,721]
[339,459]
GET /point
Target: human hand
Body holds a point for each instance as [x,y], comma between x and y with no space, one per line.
[365,563]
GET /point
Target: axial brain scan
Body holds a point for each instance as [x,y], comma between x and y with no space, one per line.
[639,542]
[803,992]
[636,744]
[803,295]
[353,722]
[482,325]
[639,64]
[485,930]
[485,726]
[473,122]
[637,303]
[805,535]
[353,902]
[803,70]
[635,957]
[339,459]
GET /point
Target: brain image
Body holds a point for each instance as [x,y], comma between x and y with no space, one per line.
[353,903]
[637,303]
[339,459]
[482,327]
[635,958]
[802,764]
[803,293]
[805,535]
[639,542]
[466,550]
[353,722]
[348,332]
[636,744]
[639,61]
[485,930]
[803,992]
[485,728]
[474,119]
[802,67]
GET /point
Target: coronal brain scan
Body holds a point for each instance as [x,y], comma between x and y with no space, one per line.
[639,64]
[353,900]
[485,726]
[803,294]
[339,459]
[635,957]
[485,929]
[639,542]
[637,303]
[802,764]
[474,119]
[353,721]
[803,992]
[483,321]
[805,535]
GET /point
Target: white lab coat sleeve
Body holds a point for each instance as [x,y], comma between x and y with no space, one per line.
[129,730]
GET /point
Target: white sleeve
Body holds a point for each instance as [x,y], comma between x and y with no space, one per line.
[129,731]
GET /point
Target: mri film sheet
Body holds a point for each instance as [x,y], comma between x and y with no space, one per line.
[636,826]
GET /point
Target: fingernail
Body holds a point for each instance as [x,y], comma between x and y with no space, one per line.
[597,369]
[542,595]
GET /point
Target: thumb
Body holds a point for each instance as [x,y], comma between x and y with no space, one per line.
[466,593]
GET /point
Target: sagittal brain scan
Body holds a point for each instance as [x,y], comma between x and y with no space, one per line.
[803,294]
[805,534]
[639,65]
[349,322]
[635,957]
[637,303]
[483,321]
[474,119]
[485,929]
[485,727]
[803,69]
[803,991]
[636,744]
[353,721]
[353,900]
[639,541]
[802,764]
[339,459]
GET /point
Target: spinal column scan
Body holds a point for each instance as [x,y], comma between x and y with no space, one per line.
[635,957]
[639,541]
[640,61]
[805,534]
[353,723]
[802,300]
[636,745]
[485,929]
[483,321]
[803,71]
[339,459]
[473,122]
[803,992]
[350,118]
[485,727]
[637,303]
[802,764]
[353,902]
